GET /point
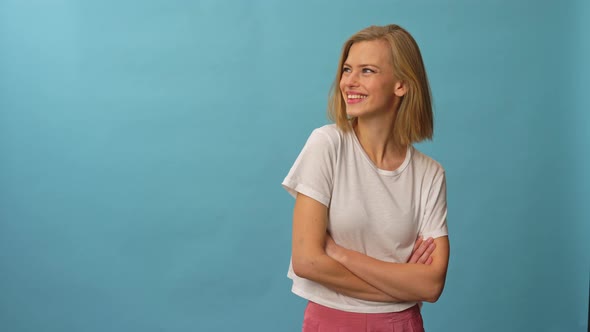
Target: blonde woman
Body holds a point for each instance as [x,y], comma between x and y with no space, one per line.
[370,239]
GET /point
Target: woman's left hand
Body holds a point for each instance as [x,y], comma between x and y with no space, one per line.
[422,251]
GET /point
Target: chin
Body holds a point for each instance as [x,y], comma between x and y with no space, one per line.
[357,113]
[354,113]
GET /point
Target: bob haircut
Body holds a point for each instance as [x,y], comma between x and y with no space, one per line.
[414,119]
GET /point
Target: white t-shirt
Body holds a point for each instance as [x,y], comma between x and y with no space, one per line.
[373,211]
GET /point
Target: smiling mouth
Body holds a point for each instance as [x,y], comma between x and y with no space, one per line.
[355,98]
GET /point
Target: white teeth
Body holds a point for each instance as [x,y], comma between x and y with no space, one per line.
[356,96]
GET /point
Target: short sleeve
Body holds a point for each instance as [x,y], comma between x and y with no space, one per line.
[434,222]
[312,172]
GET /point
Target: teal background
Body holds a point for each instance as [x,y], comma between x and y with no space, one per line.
[142,146]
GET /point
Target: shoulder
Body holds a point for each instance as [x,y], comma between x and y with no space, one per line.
[329,135]
[330,131]
[426,163]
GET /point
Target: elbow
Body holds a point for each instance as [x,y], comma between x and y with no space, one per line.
[432,299]
[303,267]
[434,292]
[299,269]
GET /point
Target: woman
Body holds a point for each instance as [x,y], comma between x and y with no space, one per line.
[365,197]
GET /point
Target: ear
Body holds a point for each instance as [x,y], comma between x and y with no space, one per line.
[400,88]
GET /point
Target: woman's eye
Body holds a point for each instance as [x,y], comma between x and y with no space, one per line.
[346,70]
[368,70]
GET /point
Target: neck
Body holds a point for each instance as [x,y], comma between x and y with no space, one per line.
[376,138]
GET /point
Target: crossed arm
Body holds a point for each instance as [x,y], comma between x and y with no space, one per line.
[315,256]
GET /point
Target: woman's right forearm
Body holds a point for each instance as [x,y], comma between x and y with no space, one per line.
[310,260]
[328,272]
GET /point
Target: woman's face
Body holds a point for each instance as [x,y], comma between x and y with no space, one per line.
[368,85]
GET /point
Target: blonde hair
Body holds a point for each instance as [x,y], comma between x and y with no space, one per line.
[414,119]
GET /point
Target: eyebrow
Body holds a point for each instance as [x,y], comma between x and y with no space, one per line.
[361,65]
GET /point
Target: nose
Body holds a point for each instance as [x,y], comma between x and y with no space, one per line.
[349,79]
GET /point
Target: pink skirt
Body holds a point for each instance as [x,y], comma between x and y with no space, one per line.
[318,318]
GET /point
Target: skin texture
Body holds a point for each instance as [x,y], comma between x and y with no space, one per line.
[373,94]
[368,71]
[311,260]
[411,282]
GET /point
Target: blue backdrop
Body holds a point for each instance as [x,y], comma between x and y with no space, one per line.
[142,146]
